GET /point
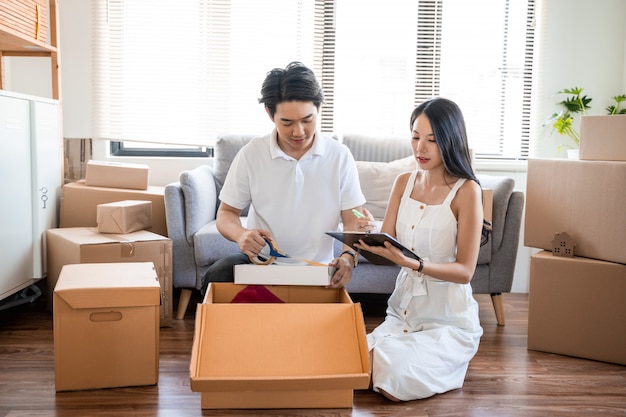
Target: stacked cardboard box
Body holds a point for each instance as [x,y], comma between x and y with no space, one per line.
[82,245]
[106,326]
[576,303]
[79,204]
[117,175]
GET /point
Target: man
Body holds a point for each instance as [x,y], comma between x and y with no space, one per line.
[299,184]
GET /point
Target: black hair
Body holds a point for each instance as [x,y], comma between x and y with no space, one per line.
[448,124]
[295,82]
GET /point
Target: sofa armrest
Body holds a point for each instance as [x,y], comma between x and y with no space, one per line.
[503,259]
[200,199]
[183,264]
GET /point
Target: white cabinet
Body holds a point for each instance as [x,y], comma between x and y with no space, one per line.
[31,161]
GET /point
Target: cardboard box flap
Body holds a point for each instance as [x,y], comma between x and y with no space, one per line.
[109,285]
[274,347]
[224,293]
[91,236]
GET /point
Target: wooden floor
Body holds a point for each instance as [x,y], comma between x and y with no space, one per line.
[504,379]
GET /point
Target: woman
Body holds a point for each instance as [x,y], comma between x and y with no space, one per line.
[431,330]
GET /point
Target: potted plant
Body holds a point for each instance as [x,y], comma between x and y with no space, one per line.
[563,120]
[615,108]
[576,104]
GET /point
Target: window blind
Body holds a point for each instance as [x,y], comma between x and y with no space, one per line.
[184,74]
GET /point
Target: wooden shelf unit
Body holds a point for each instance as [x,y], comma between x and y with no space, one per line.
[14,43]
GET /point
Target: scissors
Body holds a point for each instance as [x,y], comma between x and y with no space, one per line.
[275,252]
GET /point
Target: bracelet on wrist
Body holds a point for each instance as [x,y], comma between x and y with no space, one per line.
[421,267]
[355,257]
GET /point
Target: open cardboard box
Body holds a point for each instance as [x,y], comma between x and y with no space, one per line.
[308,352]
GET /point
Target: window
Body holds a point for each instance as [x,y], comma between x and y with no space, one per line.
[376,60]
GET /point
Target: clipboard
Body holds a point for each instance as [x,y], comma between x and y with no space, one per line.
[372,239]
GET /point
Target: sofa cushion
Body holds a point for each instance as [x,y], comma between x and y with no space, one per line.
[377,179]
[209,245]
[199,191]
[375,148]
[225,150]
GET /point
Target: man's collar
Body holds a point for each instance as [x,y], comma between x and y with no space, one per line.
[318,148]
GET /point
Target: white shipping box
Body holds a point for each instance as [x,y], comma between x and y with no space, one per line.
[274,274]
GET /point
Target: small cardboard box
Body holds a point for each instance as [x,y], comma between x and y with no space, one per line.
[117,175]
[283,274]
[576,307]
[308,352]
[124,216]
[79,204]
[585,199]
[106,326]
[603,138]
[79,245]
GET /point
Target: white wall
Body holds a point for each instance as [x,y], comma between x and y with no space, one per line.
[583,44]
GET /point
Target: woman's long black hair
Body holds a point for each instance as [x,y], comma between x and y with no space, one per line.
[448,124]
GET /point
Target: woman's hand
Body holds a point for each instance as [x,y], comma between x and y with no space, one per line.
[367,223]
[388,251]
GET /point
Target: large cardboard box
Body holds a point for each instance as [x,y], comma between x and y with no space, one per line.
[106,326]
[79,245]
[283,274]
[576,307]
[79,204]
[117,175]
[603,138]
[308,352]
[585,199]
[124,216]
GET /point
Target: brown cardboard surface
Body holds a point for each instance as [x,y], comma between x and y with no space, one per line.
[585,199]
[124,216]
[79,204]
[79,245]
[117,175]
[576,307]
[603,138]
[309,352]
[106,326]
[283,274]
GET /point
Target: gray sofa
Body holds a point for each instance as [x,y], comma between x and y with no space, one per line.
[191,205]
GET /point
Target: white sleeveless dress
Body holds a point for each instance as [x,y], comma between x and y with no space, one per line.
[431,330]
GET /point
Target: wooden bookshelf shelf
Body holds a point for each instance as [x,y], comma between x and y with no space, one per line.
[14,42]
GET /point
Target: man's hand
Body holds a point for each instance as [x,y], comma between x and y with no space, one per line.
[252,241]
[343,274]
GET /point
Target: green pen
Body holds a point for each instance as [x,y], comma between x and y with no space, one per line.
[358,214]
